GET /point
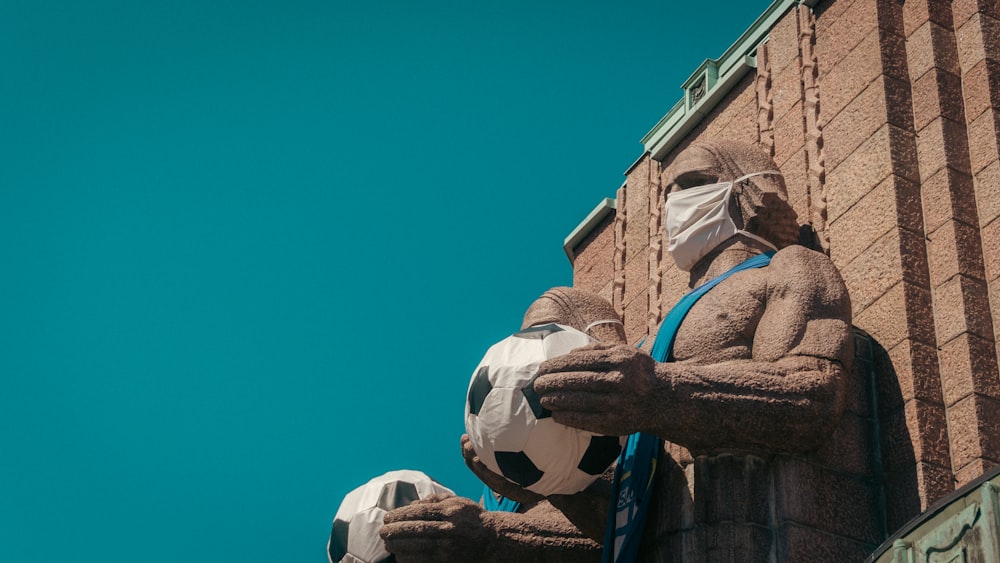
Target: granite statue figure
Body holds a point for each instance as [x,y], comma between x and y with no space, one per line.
[758,369]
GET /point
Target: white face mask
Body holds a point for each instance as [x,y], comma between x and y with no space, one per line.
[697,220]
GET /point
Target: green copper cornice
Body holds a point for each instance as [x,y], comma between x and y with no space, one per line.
[713,80]
[702,92]
[593,219]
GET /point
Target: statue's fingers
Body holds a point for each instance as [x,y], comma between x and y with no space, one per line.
[411,532]
[578,401]
[416,512]
[579,381]
[417,549]
[595,357]
[468,451]
[591,422]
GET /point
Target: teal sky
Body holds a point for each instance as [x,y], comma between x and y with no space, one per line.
[253,250]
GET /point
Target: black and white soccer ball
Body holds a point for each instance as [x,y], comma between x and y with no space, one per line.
[512,433]
[354,538]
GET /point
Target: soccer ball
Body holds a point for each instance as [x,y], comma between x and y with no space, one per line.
[514,435]
[354,538]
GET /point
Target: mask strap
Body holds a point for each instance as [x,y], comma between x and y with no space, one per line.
[741,178]
[604,322]
[759,239]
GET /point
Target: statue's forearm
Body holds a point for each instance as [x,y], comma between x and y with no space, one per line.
[541,535]
[785,405]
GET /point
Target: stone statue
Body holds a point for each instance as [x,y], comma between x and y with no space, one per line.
[756,380]
[460,530]
[755,383]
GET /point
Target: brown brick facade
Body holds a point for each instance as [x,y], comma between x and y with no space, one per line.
[883,117]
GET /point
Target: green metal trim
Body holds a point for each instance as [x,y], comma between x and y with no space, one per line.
[713,80]
[595,217]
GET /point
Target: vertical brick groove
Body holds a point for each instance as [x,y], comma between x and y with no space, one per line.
[765,100]
[816,163]
[618,284]
[656,210]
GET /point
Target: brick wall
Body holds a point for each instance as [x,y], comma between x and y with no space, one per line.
[883,117]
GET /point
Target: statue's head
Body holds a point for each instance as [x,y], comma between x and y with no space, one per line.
[758,203]
[579,309]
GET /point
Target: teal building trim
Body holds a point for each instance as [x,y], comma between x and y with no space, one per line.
[713,80]
[593,219]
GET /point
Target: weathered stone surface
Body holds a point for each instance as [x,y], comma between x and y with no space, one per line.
[835,40]
[889,151]
[978,95]
[881,266]
[938,204]
[849,448]
[892,203]
[990,250]
[937,93]
[912,489]
[850,74]
[915,365]
[978,39]
[593,266]
[789,133]
[973,470]
[636,274]
[799,543]
[969,365]
[917,12]
[974,424]
[783,43]
[931,46]
[795,171]
[917,433]
[954,249]
[942,143]
[809,495]
[983,142]
[987,190]
[960,305]
[634,317]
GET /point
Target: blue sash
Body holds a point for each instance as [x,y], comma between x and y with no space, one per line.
[503,504]
[632,487]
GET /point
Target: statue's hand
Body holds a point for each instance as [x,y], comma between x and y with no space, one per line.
[438,528]
[494,481]
[601,388]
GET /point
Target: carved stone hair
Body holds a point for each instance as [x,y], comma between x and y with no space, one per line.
[570,306]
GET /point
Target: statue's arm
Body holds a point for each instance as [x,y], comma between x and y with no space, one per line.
[457,529]
[786,396]
[790,394]
[542,534]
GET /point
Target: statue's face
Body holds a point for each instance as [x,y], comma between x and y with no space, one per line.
[696,167]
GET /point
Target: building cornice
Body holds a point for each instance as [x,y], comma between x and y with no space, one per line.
[713,80]
[593,219]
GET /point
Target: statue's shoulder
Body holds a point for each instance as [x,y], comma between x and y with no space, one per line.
[799,267]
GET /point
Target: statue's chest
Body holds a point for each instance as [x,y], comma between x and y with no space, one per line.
[721,325]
